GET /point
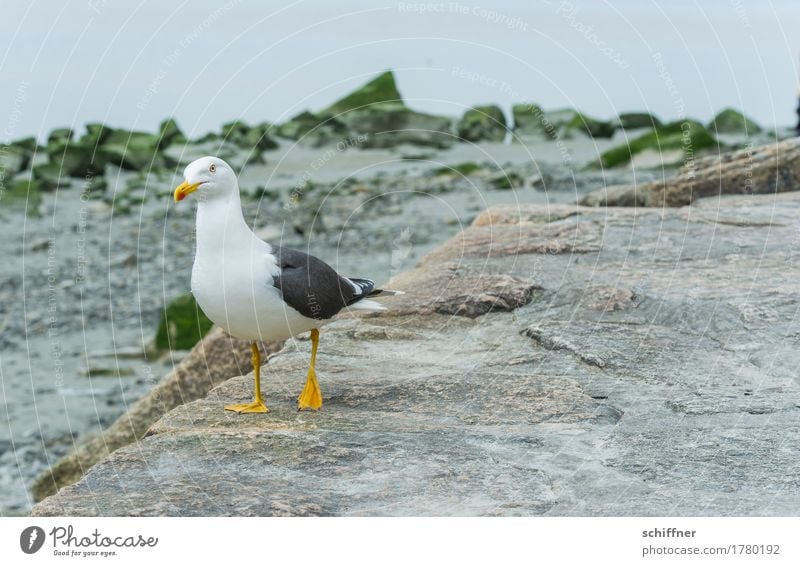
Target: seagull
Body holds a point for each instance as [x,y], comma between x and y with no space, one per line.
[258,291]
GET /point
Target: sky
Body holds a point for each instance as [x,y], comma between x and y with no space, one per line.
[208,62]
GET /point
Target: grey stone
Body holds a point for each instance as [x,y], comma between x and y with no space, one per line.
[389,124]
[767,169]
[644,363]
[482,123]
[209,363]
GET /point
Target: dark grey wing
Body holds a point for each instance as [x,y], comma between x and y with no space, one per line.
[312,287]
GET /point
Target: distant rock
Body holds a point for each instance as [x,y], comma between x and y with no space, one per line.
[313,130]
[638,120]
[482,123]
[688,136]
[16,156]
[591,127]
[169,133]
[101,145]
[60,135]
[567,122]
[380,89]
[28,144]
[768,169]
[76,159]
[135,151]
[389,124]
[49,176]
[257,139]
[731,121]
[530,119]
[182,325]
[96,133]
[373,116]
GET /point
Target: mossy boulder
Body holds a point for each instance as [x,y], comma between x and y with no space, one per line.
[482,123]
[592,127]
[182,325]
[76,159]
[528,120]
[28,144]
[169,133]
[234,131]
[134,151]
[257,138]
[61,135]
[96,133]
[313,129]
[49,176]
[731,121]
[388,124]
[260,138]
[382,88]
[637,121]
[14,158]
[565,122]
[688,136]
[560,119]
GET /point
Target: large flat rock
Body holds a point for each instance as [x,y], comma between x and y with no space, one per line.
[548,361]
[766,169]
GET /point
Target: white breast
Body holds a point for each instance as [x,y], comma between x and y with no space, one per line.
[232,281]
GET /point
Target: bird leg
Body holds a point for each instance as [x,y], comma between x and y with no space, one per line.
[257,406]
[311,396]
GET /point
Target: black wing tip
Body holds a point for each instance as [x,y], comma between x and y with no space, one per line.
[365,285]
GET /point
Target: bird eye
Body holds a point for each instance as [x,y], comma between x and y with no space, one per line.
[212,167]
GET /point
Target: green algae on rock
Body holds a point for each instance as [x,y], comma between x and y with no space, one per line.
[687,135]
[388,124]
[731,121]
[531,119]
[482,123]
[382,88]
[637,120]
[182,325]
[461,169]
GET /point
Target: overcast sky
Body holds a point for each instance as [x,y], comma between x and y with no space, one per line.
[207,62]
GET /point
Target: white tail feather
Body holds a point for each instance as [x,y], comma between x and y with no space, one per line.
[367,305]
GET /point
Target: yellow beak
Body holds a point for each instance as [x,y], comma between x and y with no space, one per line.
[185,189]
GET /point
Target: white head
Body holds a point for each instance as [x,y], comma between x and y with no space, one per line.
[210,175]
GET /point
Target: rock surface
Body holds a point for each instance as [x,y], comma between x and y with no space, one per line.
[210,363]
[768,169]
[550,360]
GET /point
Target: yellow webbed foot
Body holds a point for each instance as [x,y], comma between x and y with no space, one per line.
[311,396]
[257,406]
